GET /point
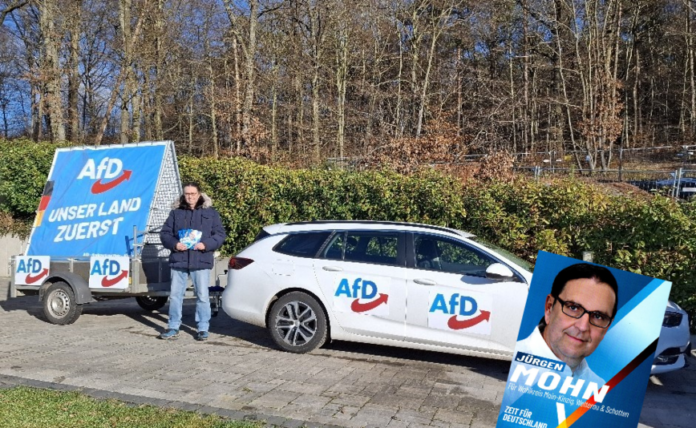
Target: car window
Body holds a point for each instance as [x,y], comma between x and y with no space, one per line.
[302,244]
[336,248]
[382,246]
[521,262]
[441,254]
[365,247]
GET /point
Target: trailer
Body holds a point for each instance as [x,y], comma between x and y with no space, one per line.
[96,231]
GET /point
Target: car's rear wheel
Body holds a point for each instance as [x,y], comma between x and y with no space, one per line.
[297,323]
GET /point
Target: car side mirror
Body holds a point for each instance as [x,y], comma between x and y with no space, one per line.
[499,271]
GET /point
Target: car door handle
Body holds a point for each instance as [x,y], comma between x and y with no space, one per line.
[425,281]
[332,268]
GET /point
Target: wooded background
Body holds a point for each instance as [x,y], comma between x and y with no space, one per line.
[307,80]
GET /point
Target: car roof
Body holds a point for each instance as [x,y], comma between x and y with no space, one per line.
[303,226]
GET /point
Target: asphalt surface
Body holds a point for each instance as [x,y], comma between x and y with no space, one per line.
[112,352]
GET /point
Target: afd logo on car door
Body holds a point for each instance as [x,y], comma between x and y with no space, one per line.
[465,312]
[362,295]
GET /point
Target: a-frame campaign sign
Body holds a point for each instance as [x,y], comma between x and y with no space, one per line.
[95,196]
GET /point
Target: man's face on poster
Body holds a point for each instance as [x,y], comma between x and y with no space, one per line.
[572,339]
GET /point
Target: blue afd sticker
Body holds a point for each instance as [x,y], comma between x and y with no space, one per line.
[459,312]
[462,305]
[31,270]
[93,198]
[361,289]
[108,272]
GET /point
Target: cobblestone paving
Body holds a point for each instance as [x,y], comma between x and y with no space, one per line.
[112,352]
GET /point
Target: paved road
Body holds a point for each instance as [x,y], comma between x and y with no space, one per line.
[112,351]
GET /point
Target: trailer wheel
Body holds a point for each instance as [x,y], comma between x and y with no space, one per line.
[151,303]
[59,306]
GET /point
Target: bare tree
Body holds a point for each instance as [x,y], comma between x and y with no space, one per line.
[74,30]
[51,67]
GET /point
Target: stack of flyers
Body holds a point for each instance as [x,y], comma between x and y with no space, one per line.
[190,237]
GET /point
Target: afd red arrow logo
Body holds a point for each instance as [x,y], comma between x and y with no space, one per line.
[108,282]
[99,187]
[356,306]
[456,324]
[32,279]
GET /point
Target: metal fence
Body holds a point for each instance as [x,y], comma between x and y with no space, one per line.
[679,183]
[684,155]
[660,154]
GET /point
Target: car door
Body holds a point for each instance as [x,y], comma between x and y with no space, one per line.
[452,303]
[362,275]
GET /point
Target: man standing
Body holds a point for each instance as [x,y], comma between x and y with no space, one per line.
[192,232]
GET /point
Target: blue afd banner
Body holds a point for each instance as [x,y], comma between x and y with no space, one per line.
[585,347]
[94,197]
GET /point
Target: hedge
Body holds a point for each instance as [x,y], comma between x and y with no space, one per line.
[650,235]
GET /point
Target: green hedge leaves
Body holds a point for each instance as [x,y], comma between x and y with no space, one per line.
[653,236]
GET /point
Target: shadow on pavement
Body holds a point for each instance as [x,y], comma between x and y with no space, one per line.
[497,369]
[248,335]
[29,304]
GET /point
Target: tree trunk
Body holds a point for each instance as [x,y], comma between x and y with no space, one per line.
[126,68]
[51,68]
[341,81]
[213,108]
[249,72]
[130,43]
[437,29]
[398,126]
[316,34]
[248,45]
[74,21]
[158,71]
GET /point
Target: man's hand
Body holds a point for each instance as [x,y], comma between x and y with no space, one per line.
[180,246]
[200,247]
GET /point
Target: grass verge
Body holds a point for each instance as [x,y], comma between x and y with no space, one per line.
[24,407]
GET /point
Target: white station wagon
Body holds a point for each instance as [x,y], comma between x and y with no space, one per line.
[387,283]
[400,284]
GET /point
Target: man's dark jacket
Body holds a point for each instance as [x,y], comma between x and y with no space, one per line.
[203,218]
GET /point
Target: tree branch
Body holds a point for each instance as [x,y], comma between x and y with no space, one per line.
[11,8]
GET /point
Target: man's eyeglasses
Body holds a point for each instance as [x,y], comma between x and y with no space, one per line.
[574,310]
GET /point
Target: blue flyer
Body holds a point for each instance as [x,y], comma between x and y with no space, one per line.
[585,347]
[190,237]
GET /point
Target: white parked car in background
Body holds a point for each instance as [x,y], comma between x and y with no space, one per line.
[674,346]
[388,283]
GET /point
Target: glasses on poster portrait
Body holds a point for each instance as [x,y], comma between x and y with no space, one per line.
[575,310]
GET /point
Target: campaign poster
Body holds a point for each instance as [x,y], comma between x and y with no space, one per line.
[585,346]
[93,198]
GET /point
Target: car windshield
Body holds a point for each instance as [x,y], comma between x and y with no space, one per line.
[519,261]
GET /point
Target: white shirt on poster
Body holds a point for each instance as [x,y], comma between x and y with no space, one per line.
[536,345]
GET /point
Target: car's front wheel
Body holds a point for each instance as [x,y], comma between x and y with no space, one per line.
[297,323]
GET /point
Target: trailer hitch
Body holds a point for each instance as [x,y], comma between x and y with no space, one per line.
[215,294]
